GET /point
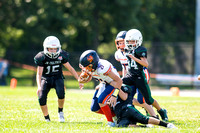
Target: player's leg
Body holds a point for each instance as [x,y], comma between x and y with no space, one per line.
[124,122]
[160,123]
[60,91]
[128,81]
[43,99]
[143,87]
[95,105]
[135,101]
[143,104]
[135,115]
[148,108]
[124,119]
[102,100]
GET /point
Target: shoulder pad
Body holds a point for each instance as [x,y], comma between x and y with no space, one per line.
[39,58]
[65,56]
[141,51]
[116,56]
[126,88]
[104,66]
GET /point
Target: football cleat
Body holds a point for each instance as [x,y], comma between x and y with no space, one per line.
[170,125]
[163,114]
[115,120]
[149,126]
[47,120]
[61,117]
[111,124]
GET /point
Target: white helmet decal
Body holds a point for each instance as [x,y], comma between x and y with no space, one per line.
[51,42]
[133,35]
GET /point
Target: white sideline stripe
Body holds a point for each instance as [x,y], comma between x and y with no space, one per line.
[183,93]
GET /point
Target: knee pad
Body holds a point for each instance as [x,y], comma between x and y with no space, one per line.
[42,101]
[61,94]
[95,105]
[149,101]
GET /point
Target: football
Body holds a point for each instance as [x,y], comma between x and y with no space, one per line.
[84,77]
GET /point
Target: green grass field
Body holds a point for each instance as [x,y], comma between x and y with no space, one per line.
[20,112]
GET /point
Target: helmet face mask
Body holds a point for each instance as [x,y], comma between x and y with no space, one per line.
[133,39]
[131,44]
[52,47]
[88,69]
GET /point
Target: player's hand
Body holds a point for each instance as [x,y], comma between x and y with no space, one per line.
[84,77]
[112,101]
[131,56]
[39,92]
[81,86]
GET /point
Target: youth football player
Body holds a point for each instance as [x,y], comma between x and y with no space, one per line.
[120,56]
[137,60]
[128,115]
[49,74]
[110,83]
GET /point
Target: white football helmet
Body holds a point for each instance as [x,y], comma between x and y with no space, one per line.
[52,42]
[133,35]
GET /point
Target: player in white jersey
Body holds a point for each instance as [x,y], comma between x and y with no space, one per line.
[110,83]
[119,56]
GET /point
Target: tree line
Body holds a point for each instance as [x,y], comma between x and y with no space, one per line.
[90,24]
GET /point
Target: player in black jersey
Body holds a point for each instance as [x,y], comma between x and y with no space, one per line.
[128,115]
[49,74]
[120,56]
[137,59]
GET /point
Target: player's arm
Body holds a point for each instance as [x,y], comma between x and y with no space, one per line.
[73,72]
[116,56]
[117,81]
[123,93]
[38,78]
[142,61]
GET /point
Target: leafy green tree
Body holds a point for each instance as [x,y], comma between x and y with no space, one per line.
[91,24]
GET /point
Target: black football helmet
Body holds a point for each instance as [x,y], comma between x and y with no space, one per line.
[89,60]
